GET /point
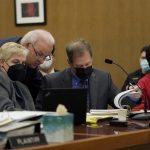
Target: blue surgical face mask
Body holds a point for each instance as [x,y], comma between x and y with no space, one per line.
[144,65]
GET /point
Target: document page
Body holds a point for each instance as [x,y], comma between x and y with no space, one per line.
[119,97]
[23,115]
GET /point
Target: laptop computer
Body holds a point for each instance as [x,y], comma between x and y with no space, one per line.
[74,99]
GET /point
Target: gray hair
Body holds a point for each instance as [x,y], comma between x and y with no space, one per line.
[36,35]
[77,47]
[11,48]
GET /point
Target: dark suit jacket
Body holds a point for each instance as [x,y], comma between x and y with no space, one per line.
[33,81]
[133,78]
[14,95]
[102,89]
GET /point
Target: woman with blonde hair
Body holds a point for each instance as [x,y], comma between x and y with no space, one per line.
[13,94]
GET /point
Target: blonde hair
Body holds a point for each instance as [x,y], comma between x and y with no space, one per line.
[12,48]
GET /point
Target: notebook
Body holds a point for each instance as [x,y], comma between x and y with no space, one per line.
[75,100]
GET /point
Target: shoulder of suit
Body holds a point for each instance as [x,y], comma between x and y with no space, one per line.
[58,74]
[52,75]
[20,85]
[4,76]
[99,71]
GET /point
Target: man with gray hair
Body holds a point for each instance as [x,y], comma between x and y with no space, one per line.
[40,44]
[81,74]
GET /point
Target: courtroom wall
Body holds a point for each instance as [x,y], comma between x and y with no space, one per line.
[116,29]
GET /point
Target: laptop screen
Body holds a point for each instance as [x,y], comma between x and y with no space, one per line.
[73,99]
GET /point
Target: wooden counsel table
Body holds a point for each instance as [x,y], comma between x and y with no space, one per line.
[104,137]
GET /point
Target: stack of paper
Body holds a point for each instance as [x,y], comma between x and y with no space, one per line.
[12,128]
[4,119]
[100,114]
[13,123]
[104,112]
[24,115]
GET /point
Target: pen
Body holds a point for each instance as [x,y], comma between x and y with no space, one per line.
[131,84]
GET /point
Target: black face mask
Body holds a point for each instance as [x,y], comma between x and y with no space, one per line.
[84,73]
[17,72]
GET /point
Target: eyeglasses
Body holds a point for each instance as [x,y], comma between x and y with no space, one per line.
[41,56]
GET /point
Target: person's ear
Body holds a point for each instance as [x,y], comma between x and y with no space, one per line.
[28,46]
[70,64]
[53,58]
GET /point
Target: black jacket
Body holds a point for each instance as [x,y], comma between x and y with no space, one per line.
[14,95]
[102,88]
[132,78]
[33,81]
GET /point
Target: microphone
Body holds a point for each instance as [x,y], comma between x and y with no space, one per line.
[141,116]
[109,61]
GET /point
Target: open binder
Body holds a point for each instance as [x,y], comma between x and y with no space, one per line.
[125,99]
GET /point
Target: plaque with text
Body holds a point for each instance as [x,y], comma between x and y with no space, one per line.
[26,141]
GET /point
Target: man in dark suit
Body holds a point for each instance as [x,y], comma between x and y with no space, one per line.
[40,44]
[81,74]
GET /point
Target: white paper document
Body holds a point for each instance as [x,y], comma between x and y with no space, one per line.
[20,115]
[119,97]
[103,111]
